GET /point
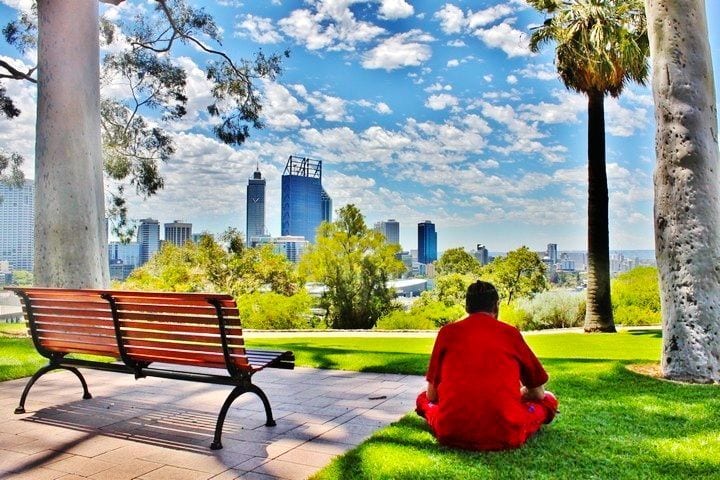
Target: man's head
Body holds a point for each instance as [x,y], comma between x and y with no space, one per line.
[482,297]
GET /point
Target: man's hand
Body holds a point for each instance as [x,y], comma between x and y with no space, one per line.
[536,393]
[432,393]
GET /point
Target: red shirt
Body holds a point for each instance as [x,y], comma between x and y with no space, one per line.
[477,365]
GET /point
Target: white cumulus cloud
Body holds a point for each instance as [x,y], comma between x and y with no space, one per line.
[258,29]
[441,101]
[503,36]
[394,9]
[409,49]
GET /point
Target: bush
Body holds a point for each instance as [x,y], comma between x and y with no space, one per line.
[634,315]
[636,297]
[272,311]
[401,320]
[553,309]
[425,314]
[512,314]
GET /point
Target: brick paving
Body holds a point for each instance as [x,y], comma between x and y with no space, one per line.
[161,429]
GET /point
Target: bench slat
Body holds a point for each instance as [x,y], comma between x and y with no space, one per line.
[130,334]
[178,327]
[71,313]
[86,304]
[69,321]
[209,347]
[205,309]
[72,329]
[65,346]
[78,337]
[171,318]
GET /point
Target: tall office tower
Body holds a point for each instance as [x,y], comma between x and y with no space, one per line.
[178,232]
[255,225]
[390,229]
[149,238]
[481,254]
[17,225]
[552,252]
[427,242]
[305,204]
[326,206]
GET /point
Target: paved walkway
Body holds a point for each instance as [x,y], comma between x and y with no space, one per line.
[161,429]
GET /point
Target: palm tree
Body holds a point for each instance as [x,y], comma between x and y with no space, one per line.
[600,46]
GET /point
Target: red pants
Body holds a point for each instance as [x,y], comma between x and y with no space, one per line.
[538,413]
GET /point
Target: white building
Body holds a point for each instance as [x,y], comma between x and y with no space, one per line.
[17,225]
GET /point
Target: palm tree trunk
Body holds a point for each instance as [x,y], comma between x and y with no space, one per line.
[687,189]
[598,315]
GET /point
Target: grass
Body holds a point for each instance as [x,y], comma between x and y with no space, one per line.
[613,423]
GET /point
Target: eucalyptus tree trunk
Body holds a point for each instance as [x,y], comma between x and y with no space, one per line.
[687,189]
[70,242]
[598,313]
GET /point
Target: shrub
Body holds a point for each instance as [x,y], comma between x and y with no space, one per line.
[515,315]
[425,314]
[553,309]
[401,320]
[634,315]
[636,297]
[272,311]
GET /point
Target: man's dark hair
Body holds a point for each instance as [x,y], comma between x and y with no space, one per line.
[481,297]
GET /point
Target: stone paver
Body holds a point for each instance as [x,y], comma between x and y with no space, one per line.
[158,428]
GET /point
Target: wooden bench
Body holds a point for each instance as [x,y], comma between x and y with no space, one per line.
[150,333]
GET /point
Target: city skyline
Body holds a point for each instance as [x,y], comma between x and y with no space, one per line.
[417,110]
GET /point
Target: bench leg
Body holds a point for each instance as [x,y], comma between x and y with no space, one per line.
[43,371]
[237,391]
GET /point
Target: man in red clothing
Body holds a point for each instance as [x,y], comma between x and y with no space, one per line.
[485,386]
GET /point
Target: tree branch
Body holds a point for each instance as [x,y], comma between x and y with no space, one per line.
[16,74]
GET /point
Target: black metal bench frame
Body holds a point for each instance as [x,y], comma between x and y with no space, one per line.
[240,378]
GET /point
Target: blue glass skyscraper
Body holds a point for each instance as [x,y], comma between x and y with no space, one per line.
[305,204]
[427,242]
[255,226]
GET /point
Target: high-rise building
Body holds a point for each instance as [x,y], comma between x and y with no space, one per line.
[17,225]
[481,254]
[552,253]
[305,204]
[292,247]
[427,242]
[148,238]
[390,229]
[178,232]
[255,225]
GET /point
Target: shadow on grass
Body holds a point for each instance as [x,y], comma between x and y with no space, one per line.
[650,333]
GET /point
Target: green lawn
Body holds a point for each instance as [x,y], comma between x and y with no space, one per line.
[613,424]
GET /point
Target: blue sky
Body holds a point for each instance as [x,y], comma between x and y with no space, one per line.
[419,111]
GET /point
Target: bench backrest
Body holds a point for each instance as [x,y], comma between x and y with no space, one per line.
[67,321]
[179,328]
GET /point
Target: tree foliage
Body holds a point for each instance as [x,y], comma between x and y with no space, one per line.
[10,173]
[135,126]
[457,260]
[520,273]
[207,266]
[354,263]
